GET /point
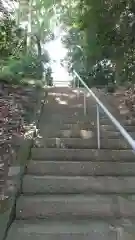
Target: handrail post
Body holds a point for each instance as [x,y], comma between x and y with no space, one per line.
[78,88]
[122,130]
[84,103]
[74,83]
[98,127]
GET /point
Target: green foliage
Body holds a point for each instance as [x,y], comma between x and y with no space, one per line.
[10,36]
[31,66]
[102,74]
[28,66]
[17,61]
[103,29]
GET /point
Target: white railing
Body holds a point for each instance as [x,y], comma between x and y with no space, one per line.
[121,129]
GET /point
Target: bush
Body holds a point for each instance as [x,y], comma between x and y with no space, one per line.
[32,67]
[8,76]
[28,66]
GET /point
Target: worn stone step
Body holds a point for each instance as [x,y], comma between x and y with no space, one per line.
[78,116]
[64,206]
[93,125]
[82,154]
[112,127]
[84,133]
[126,122]
[103,121]
[75,119]
[55,230]
[115,134]
[78,126]
[85,143]
[68,168]
[71,133]
[75,206]
[70,106]
[77,184]
[40,141]
[72,112]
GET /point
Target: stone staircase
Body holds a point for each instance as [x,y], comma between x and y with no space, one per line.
[71,190]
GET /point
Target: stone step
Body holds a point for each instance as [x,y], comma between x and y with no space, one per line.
[78,143]
[106,121]
[112,127]
[75,206]
[74,126]
[72,112]
[115,134]
[91,125]
[75,119]
[82,154]
[67,230]
[68,168]
[76,114]
[71,133]
[85,133]
[103,120]
[76,184]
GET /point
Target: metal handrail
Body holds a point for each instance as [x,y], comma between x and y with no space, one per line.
[121,129]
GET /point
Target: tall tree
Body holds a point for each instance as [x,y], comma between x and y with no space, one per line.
[108,29]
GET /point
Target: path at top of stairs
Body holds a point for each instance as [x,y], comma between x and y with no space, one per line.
[71,190]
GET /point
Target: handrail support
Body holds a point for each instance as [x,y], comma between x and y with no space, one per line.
[98,127]
[84,104]
[118,126]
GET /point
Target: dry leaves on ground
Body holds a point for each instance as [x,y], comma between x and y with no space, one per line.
[16,105]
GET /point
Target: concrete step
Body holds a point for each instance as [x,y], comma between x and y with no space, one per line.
[61,119]
[69,119]
[74,126]
[112,127]
[90,125]
[60,89]
[70,133]
[82,155]
[103,120]
[55,230]
[78,143]
[75,206]
[76,184]
[68,168]
[115,134]
[78,116]
[86,134]
[83,132]
[106,121]
[72,112]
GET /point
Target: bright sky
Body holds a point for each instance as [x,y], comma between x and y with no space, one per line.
[58,52]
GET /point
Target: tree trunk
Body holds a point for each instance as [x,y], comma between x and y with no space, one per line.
[38,46]
[29,25]
[118,70]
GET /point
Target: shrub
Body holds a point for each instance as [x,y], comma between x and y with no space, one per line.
[27,66]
